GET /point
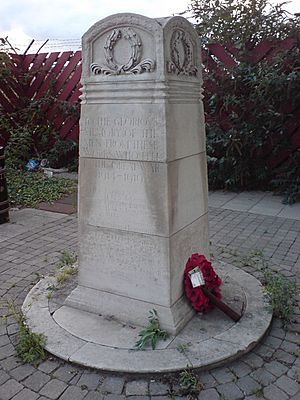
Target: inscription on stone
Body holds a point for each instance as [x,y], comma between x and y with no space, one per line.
[111,247]
[121,136]
[125,195]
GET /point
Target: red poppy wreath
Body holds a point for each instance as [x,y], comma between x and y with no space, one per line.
[199,301]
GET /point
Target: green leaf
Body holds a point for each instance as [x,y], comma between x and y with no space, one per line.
[152,333]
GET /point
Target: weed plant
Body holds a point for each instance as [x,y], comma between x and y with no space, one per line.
[189,383]
[183,347]
[152,334]
[67,258]
[66,266]
[65,274]
[281,290]
[282,293]
[30,346]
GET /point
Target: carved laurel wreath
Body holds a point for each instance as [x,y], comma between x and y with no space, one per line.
[134,64]
[177,65]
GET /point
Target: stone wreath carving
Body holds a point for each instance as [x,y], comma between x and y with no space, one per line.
[181,63]
[134,64]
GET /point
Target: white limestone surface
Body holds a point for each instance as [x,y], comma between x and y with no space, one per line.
[107,343]
[142,175]
[153,198]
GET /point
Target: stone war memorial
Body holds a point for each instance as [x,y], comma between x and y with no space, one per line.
[143,186]
[143,209]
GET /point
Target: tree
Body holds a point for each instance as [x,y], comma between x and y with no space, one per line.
[243,23]
[250,107]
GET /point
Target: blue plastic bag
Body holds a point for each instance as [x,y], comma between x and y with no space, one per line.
[31,165]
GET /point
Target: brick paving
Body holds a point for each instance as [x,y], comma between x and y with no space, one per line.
[30,247]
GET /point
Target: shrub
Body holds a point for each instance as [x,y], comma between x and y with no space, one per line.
[30,188]
[28,129]
[247,115]
[249,107]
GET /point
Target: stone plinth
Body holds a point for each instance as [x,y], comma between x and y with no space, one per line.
[107,344]
[143,179]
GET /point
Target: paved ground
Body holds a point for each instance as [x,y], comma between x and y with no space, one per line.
[30,247]
[254,202]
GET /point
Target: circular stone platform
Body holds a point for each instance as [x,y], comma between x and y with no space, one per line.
[104,343]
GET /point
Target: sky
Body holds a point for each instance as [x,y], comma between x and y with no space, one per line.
[68,20]
[65,21]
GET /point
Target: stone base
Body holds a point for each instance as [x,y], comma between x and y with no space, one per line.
[105,343]
[133,311]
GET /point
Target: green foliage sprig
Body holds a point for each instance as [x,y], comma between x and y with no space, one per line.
[30,346]
[152,333]
[188,379]
[67,267]
[283,293]
[67,258]
[189,383]
[65,273]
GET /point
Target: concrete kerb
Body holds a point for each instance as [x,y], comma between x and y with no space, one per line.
[220,345]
